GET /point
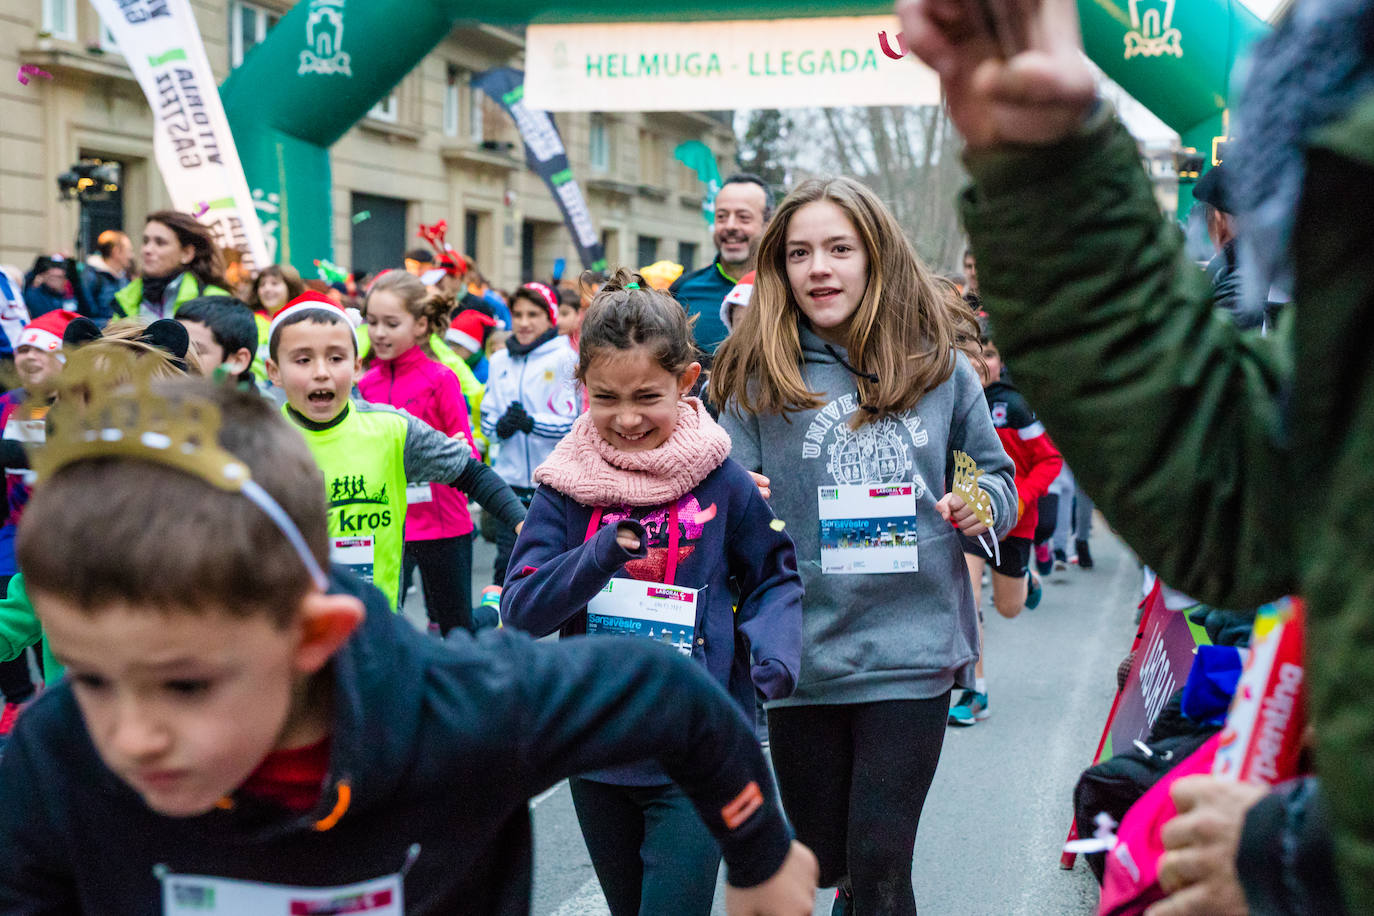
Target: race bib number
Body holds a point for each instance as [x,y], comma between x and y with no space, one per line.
[868,528]
[198,895]
[417,493]
[354,553]
[630,607]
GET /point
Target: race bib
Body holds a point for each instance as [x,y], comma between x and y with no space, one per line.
[417,493]
[32,431]
[631,607]
[355,553]
[868,528]
[198,895]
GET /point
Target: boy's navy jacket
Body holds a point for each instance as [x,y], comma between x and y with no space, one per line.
[439,745]
[555,571]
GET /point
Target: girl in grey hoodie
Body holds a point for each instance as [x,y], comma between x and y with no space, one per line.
[842,383]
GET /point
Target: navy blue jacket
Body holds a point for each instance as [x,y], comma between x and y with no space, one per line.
[554,572]
[441,746]
[701,292]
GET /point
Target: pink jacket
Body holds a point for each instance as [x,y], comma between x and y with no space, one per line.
[429,391]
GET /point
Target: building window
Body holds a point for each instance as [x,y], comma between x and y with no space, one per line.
[477,128]
[59,18]
[453,93]
[687,256]
[386,110]
[651,158]
[647,250]
[248,26]
[599,144]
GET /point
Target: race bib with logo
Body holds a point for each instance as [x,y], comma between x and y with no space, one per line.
[417,493]
[868,528]
[358,554]
[199,895]
[632,607]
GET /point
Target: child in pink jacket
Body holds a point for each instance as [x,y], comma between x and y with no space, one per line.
[401,316]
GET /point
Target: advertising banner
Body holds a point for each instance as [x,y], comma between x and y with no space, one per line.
[690,66]
[547,158]
[194,149]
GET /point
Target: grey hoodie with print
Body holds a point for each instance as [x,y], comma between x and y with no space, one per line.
[882,636]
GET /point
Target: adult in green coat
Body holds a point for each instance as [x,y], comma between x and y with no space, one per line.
[1238,466]
[179,262]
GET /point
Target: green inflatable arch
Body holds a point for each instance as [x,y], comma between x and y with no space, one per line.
[1175,59]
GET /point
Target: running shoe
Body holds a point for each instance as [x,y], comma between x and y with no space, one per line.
[844,902]
[972,707]
[1044,560]
[1061,560]
[1033,591]
[1085,557]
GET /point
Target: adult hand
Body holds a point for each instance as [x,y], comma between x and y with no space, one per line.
[763,483]
[1036,96]
[954,510]
[1198,868]
[790,892]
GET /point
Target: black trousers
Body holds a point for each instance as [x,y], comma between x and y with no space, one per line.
[853,780]
[503,537]
[446,574]
[652,854]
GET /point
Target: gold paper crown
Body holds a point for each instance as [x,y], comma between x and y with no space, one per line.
[966,476]
[106,408]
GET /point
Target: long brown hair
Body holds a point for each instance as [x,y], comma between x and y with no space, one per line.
[283,272]
[901,334]
[207,265]
[434,307]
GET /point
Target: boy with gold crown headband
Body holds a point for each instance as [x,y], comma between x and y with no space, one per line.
[253,736]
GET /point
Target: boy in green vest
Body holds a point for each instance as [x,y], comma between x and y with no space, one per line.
[370,453]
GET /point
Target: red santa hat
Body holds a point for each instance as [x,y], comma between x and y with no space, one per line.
[739,296]
[469,330]
[45,332]
[312,301]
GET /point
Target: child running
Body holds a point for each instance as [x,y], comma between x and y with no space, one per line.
[530,402]
[369,453]
[841,383]
[401,318]
[256,737]
[639,525]
[1037,464]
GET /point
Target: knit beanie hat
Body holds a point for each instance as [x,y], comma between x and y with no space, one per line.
[545,295]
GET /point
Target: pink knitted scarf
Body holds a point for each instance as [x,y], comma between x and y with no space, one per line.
[589,469]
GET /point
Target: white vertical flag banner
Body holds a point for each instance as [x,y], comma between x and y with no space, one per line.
[191,139]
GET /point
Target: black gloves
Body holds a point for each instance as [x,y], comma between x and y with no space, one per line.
[514,420]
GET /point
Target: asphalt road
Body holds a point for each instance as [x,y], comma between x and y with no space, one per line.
[1000,805]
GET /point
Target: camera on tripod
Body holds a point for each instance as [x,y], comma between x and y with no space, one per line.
[89,180]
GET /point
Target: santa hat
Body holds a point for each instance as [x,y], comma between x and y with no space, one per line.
[543,294]
[469,330]
[739,296]
[311,301]
[45,332]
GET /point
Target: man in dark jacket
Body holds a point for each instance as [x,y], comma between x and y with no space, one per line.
[743,206]
[107,272]
[1237,477]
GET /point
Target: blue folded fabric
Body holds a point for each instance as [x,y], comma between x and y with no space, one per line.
[1211,683]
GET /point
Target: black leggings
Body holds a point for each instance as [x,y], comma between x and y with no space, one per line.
[651,852]
[853,780]
[446,574]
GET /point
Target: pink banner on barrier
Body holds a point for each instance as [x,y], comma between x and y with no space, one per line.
[1162,661]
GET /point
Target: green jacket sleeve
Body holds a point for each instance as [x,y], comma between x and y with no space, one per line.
[1169,416]
[19,626]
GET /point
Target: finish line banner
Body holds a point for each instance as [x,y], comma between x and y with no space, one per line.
[547,158]
[690,66]
[194,148]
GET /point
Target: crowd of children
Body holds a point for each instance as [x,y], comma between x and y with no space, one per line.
[261,728]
